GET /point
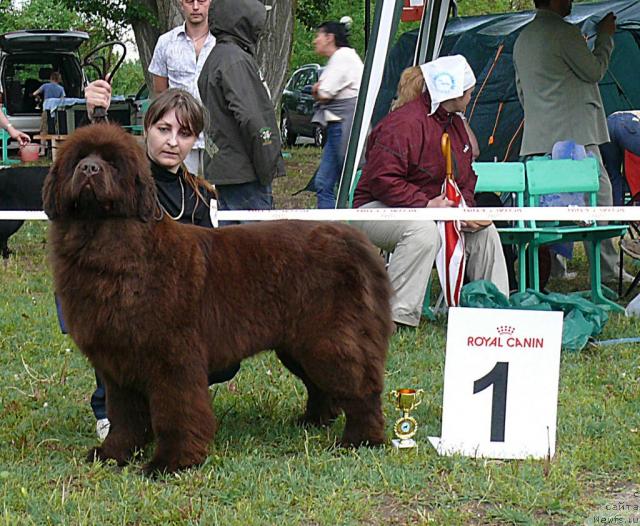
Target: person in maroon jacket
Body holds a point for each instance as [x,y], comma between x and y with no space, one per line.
[405,168]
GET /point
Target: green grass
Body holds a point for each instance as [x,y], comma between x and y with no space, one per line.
[263,469]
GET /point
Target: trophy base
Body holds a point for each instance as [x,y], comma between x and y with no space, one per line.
[407,443]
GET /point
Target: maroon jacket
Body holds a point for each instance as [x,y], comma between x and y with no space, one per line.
[405,166]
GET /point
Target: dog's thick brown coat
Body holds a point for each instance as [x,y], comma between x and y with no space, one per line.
[155,305]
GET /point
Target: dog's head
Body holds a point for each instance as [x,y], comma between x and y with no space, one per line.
[100,172]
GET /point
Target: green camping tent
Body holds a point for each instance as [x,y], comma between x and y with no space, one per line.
[487,42]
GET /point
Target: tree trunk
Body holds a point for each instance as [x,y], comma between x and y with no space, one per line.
[274,47]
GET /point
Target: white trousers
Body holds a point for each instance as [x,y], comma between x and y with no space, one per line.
[415,245]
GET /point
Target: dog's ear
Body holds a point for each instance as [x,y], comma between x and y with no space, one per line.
[50,201]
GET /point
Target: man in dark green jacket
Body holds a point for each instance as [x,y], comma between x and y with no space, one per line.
[242,139]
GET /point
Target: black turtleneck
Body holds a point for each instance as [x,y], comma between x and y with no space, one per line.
[170,196]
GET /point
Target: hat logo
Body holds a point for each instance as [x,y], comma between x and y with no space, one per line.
[444,82]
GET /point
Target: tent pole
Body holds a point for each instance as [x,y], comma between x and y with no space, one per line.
[368,90]
[367,23]
[434,19]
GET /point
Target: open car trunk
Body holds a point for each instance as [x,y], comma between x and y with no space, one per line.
[27,59]
[42,40]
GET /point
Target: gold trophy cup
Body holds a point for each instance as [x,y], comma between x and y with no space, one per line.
[406,426]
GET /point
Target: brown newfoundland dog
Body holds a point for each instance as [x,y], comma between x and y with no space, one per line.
[156,305]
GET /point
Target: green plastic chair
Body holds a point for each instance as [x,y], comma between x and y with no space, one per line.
[5,138]
[509,178]
[545,176]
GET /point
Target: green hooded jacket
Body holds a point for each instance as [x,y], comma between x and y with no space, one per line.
[242,138]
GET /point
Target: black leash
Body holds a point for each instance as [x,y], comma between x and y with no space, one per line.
[101,64]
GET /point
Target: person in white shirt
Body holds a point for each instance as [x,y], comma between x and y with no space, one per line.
[178,59]
[336,93]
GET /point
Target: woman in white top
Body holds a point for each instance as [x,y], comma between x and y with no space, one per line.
[336,93]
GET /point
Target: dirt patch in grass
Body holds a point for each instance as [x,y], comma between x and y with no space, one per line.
[393,512]
[301,163]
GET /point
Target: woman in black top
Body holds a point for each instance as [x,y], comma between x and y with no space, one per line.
[171,125]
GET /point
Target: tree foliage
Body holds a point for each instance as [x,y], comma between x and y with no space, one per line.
[114,16]
[50,14]
[483,7]
[311,13]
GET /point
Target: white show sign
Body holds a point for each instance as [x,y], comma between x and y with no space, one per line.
[501,383]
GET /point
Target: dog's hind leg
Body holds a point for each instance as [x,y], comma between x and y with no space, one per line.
[352,374]
[183,422]
[365,422]
[130,430]
[321,408]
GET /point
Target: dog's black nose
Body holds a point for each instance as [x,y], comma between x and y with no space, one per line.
[89,167]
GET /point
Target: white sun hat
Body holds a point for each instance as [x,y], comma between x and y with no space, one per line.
[447,78]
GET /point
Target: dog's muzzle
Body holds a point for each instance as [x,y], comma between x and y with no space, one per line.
[85,174]
[89,167]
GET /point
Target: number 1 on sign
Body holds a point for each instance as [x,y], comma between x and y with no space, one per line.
[498,377]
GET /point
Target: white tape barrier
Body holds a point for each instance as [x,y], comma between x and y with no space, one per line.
[576,214]
[7,215]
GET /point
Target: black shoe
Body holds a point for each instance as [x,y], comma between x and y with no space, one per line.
[403,327]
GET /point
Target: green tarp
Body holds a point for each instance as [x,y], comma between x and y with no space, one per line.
[487,43]
[582,318]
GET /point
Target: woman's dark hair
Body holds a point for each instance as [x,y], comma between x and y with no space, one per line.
[338,30]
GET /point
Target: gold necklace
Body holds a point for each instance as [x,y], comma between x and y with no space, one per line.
[181,208]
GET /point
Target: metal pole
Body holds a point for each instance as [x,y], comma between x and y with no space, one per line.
[367,23]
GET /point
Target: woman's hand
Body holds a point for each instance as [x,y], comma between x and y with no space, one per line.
[441,202]
[474,226]
[97,93]
[19,136]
